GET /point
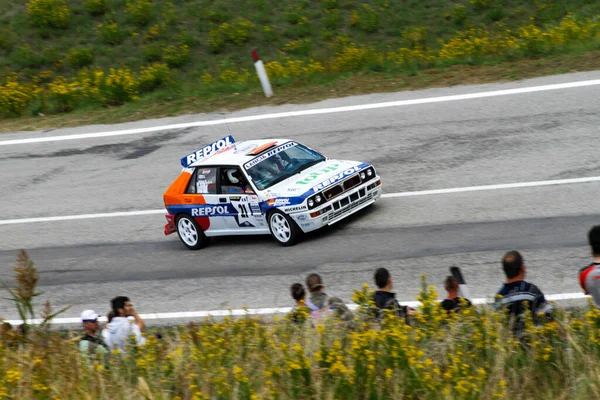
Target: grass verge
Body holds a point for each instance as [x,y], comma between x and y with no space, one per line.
[161,105]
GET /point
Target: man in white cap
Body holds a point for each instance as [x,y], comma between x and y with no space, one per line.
[91,344]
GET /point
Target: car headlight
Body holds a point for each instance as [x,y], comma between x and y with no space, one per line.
[369,172]
[318,199]
[311,203]
[362,176]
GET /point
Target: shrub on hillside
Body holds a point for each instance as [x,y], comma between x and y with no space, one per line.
[63,95]
[95,7]
[236,32]
[139,11]
[49,13]
[110,33]
[366,19]
[80,57]
[154,76]
[14,96]
[176,56]
[119,87]
[351,58]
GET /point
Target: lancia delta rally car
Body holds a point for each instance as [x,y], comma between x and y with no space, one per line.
[275,186]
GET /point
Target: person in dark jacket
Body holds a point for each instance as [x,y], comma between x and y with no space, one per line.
[385,299]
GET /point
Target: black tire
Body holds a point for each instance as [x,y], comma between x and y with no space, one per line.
[283,229]
[190,233]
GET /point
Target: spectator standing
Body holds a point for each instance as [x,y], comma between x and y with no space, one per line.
[121,327]
[453,301]
[91,344]
[518,295]
[589,277]
[323,302]
[385,299]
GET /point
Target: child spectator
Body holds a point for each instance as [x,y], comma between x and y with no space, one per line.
[453,303]
[299,295]
[323,302]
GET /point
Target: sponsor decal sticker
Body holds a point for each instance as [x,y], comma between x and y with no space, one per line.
[302,217]
[268,154]
[210,210]
[336,178]
[296,208]
[278,202]
[207,151]
[315,175]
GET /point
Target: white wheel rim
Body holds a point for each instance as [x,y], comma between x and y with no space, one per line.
[280,227]
[187,232]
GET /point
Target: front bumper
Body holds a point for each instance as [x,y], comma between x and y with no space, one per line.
[340,207]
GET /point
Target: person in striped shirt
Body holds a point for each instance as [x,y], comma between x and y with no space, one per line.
[517,295]
[589,277]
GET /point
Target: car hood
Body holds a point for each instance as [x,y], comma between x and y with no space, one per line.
[315,178]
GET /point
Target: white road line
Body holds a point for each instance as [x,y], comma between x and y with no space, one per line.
[269,311]
[399,103]
[385,195]
[80,216]
[495,187]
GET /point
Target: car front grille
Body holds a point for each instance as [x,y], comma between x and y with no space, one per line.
[347,204]
[342,187]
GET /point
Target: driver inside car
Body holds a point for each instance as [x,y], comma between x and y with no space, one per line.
[235,182]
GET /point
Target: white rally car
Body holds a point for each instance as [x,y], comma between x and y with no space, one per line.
[275,186]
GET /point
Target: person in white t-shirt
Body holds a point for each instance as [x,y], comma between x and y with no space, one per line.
[125,324]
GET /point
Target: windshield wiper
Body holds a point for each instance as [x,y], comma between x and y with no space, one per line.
[276,181]
[309,164]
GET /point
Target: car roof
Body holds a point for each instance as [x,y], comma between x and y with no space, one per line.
[238,153]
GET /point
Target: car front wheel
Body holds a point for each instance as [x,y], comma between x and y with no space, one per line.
[190,233]
[284,229]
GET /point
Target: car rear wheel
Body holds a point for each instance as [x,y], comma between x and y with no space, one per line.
[190,233]
[284,229]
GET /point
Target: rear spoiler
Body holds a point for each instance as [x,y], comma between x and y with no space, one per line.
[207,151]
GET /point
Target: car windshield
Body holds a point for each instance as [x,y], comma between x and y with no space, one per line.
[283,165]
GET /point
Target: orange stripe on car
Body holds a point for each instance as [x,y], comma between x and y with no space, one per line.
[261,148]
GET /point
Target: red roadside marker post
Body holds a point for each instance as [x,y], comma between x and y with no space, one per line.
[262,74]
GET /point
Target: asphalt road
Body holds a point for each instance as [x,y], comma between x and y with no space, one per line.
[518,138]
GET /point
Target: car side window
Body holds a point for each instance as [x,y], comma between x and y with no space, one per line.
[205,181]
[233,181]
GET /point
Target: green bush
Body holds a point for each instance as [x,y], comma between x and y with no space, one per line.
[95,7]
[80,57]
[153,52]
[25,57]
[154,76]
[119,87]
[139,11]
[49,13]
[332,19]
[366,19]
[176,56]
[330,4]
[110,33]
[7,40]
